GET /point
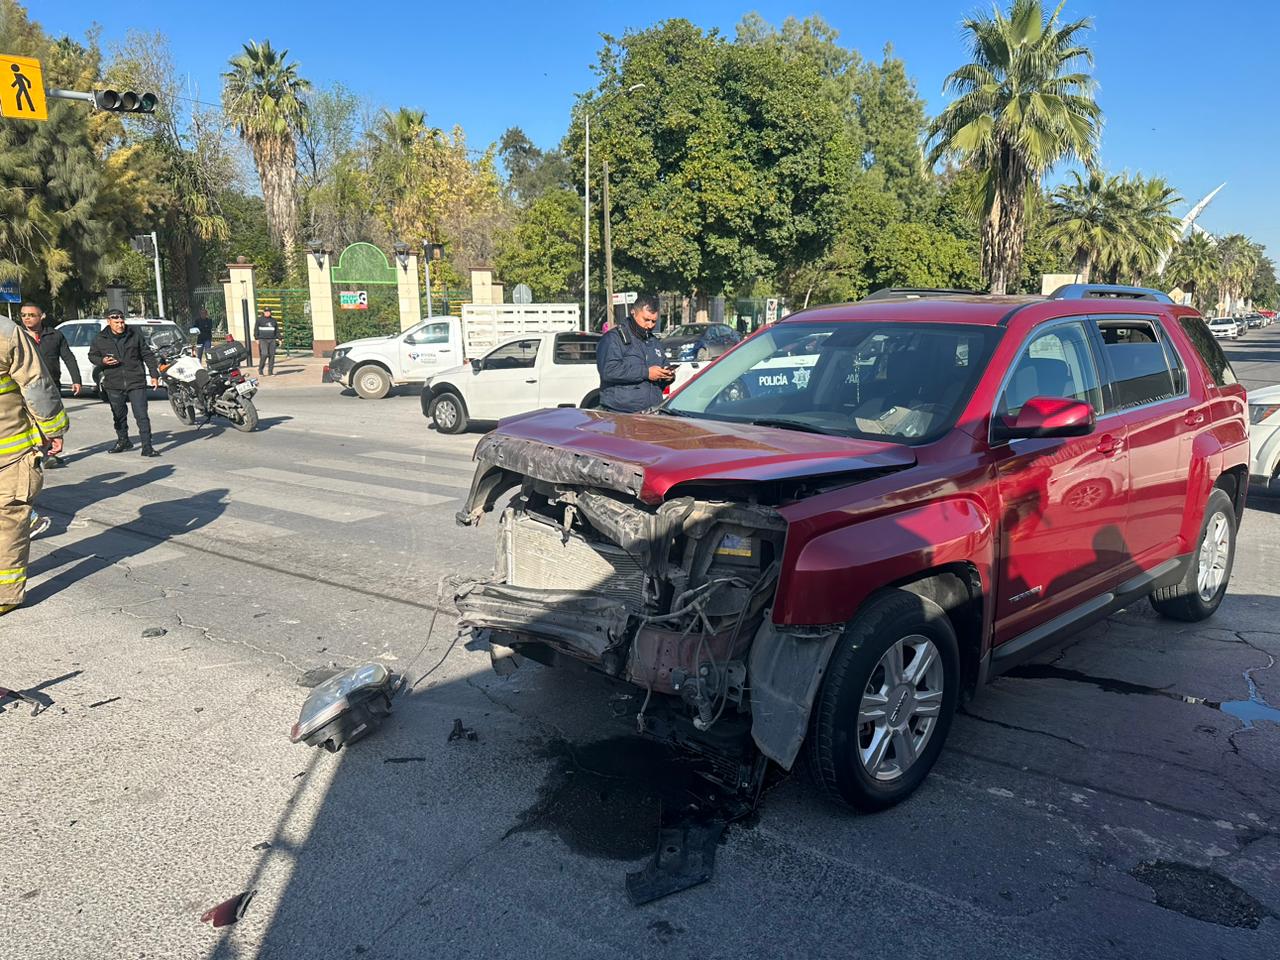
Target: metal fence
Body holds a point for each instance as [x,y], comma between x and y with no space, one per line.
[292,310]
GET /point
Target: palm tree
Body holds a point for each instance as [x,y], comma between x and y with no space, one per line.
[1022,109]
[1194,264]
[263,98]
[1083,220]
[1238,260]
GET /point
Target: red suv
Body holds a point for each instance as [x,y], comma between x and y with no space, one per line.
[861,513]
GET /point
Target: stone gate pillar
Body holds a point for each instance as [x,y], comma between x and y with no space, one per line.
[320,291]
[407,288]
[242,305]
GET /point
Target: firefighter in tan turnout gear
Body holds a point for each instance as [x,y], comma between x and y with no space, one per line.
[30,413]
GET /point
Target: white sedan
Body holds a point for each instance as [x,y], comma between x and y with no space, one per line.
[1264,435]
[1224,328]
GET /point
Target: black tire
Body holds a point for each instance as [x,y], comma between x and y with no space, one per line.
[836,738]
[248,421]
[1185,600]
[371,382]
[449,413]
[591,401]
[181,406]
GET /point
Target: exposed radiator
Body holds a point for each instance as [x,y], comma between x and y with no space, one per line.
[538,556]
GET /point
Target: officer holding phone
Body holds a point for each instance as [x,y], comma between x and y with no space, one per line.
[632,371]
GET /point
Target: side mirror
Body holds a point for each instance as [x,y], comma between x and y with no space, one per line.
[477,364]
[1042,417]
[193,330]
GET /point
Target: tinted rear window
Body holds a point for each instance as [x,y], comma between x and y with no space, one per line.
[1197,332]
[576,348]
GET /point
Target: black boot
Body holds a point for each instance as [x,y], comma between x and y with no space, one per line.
[121,446]
[150,451]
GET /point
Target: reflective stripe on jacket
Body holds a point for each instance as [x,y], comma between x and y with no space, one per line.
[30,403]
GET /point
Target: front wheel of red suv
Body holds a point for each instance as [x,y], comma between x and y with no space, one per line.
[1199,593]
[885,707]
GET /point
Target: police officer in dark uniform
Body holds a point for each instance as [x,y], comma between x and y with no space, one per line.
[632,372]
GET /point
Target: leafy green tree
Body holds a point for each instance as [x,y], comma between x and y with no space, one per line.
[916,255]
[1120,224]
[725,167]
[337,208]
[1193,264]
[531,172]
[263,96]
[1023,107]
[544,247]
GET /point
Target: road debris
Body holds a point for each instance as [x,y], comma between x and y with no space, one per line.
[39,702]
[404,760]
[686,857]
[264,845]
[103,703]
[459,732]
[152,632]
[229,910]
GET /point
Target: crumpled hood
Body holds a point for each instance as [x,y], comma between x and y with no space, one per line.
[647,455]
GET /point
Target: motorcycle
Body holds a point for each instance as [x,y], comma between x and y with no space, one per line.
[217,388]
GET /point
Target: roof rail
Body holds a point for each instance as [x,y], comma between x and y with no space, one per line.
[1107,291]
[914,293]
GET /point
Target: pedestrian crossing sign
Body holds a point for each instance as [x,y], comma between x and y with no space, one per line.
[22,88]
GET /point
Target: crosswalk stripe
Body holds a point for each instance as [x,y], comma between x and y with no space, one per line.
[354,488]
[275,497]
[222,524]
[457,464]
[430,475]
[113,545]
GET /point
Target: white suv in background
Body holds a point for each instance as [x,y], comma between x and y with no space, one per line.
[81,333]
[1264,436]
[1224,328]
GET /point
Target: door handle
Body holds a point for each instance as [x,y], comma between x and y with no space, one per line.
[1193,419]
[531,381]
[1109,446]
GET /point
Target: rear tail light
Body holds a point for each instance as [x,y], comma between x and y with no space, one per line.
[1258,412]
[235,375]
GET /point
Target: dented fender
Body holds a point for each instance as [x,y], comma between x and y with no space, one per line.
[827,577]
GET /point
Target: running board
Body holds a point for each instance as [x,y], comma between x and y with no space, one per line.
[1011,654]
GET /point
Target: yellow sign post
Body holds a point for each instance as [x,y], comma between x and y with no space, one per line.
[22,88]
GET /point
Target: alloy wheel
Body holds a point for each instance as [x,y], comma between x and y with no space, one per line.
[1215,551]
[900,707]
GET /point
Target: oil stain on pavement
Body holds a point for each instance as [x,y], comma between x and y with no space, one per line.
[1200,894]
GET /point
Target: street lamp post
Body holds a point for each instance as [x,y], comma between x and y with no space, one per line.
[586,215]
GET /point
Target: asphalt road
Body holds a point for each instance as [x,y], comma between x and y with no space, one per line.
[1103,805]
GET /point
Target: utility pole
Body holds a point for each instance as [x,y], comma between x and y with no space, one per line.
[155,250]
[608,245]
[586,224]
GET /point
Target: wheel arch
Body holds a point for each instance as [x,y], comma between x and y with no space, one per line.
[372,362]
[957,589]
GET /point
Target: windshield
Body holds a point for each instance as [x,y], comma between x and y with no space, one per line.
[157,335]
[686,330]
[902,381]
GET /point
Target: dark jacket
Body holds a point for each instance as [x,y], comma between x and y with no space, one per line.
[266,328]
[205,326]
[624,369]
[134,354]
[55,351]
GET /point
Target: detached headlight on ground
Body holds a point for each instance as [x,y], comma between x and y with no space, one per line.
[345,707]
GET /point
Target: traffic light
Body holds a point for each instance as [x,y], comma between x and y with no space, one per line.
[127,101]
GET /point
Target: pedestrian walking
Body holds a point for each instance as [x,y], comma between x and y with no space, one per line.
[54,351]
[204,335]
[632,372]
[126,360]
[30,413]
[267,332]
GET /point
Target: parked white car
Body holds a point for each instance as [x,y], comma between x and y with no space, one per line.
[1224,328]
[373,365]
[1264,435]
[80,335]
[529,373]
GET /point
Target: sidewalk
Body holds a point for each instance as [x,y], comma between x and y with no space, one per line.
[298,370]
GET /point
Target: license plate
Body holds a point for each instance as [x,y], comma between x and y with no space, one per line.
[246,387]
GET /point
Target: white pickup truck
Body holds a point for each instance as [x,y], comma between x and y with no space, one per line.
[524,374]
[373,365]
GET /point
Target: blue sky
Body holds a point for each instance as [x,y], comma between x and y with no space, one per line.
[1191,90]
